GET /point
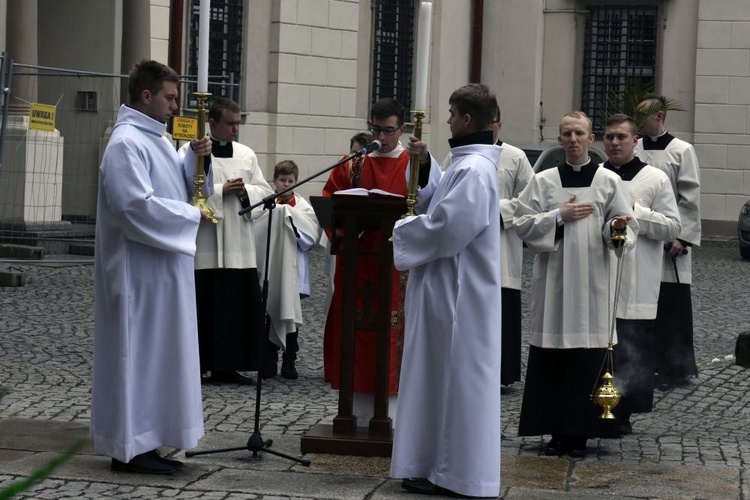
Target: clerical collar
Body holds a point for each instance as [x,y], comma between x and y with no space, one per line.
[578,168]
[658,142]
[481,137]
[390,154]
[221,149]
[627,171]
[583,177]
[655,138]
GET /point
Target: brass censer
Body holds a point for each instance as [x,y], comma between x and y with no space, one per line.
[607,395]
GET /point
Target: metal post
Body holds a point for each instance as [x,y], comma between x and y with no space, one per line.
[7,67]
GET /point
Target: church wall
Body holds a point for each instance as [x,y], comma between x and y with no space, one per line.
[160,30]
[560,81]
[512,65]
[449,69]
[722,106]
[66,31]
[311,83]
[3,21]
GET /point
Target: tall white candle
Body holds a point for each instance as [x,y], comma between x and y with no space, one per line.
[424,28]
[205,9]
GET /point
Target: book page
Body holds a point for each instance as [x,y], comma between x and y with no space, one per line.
[366,192]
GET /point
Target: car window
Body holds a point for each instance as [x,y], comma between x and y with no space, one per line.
[551,158]
[532,155]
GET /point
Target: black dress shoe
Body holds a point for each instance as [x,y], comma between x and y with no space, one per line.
[288,370]
[556,447]
[268,371]
[576,447]
[145,463]
[230,377]
[174,463]
[423,486]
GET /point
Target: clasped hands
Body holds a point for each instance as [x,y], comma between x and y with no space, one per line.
[234,187]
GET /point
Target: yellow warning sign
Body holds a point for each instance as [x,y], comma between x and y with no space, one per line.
[184,129]
[42,117]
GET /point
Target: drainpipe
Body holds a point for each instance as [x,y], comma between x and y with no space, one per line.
[476,41]
[176,35]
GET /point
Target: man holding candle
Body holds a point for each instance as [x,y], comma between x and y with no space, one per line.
[386,169]
[447,438]
[146,383]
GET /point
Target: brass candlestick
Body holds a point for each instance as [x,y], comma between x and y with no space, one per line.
[411,193]
[200,201]
[607,396]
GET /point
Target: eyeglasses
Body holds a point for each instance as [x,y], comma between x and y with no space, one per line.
[387,131]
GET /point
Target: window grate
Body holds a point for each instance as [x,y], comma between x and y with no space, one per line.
[87,100]
[224,48]
[393,50]
[619,52]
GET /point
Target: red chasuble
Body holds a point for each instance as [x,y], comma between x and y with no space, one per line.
[388,174]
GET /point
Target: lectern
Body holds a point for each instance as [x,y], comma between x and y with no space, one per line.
[349,215]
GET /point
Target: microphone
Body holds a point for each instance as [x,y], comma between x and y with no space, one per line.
[373,146]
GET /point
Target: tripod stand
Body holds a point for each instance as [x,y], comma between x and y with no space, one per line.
[256,443]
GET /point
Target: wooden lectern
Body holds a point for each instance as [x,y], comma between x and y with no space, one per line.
[353,214]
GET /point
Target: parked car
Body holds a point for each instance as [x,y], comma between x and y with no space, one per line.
[743,230]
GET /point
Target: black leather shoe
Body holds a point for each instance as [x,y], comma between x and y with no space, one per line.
[174,463]
[576,447]
[145,463]
[268,371]
[556,447]
[423,486]
[288,370]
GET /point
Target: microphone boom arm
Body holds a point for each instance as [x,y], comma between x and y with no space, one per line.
[271,198]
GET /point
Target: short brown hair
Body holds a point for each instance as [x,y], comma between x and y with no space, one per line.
[475,100]
[619,119]
[653,104]
[149,75]
[361,138]
[578,115]
[385,108]
[286,167]
[219,105]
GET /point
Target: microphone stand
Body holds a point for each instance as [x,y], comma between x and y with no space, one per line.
[256,443]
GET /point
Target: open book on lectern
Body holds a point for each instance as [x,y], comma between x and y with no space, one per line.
[367,192]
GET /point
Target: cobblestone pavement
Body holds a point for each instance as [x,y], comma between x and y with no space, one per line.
[45,359]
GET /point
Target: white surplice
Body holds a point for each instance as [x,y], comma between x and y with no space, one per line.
[230,244]
[448,428]
[655,209]
[572,293]
[678,160]
[294,232]
[146,376]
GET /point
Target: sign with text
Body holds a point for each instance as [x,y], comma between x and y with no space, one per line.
[184,129]
[42,117]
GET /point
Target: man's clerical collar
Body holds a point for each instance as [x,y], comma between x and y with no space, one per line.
[578,168]
[481,137]
[655,138]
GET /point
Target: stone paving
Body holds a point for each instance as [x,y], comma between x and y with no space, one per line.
[694,445]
